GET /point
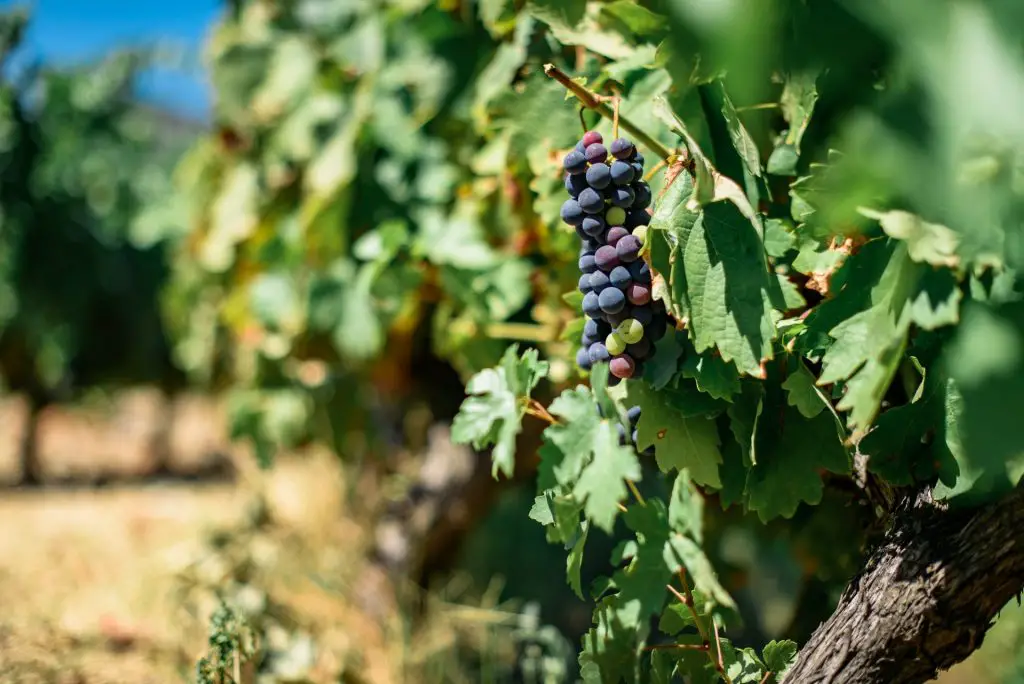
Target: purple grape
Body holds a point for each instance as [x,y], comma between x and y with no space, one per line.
[575,162]
[643,314]
[574,184]
[591,304]
[596,153]
[616,318]
[590,201]
[621,431]
[587,340]
[620,277]
[598,282]
[591,137]
[633,415]
[596,328]
[615,233]
[636,435]
[622,197]
[611,300]
[627,249]
[638,294]
[606,258]
[599,176]
[640,271]
[622,148]
[637,157]
[580,147]
[572,213]
[622,366]
[584,284]
[638,171]
[641,195]
[598,353]
[591,244]
[637,217]
[621,173]
[583,359]
[657,329]
[593,226]
[640,350]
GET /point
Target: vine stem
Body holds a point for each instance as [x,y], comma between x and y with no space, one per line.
[537,410]
[636,492]
[686,598]
[596,102]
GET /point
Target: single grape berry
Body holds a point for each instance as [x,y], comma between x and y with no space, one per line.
[621,432]
[587,264]
[614,344]
[640,271]
[583,359]
[606,258]
[638,294]
[587,340]
[593,226]
[575,162]
[636,433]
[641,195]
[620,277]
[596,328]
[615,216]
[640,233]
[596,153]
[611,300]
[580,147]
[574,184]
[572,213]
[622,197]
[640,350]
[621,173]
[591,304]
[638,170]
[643,314]
[598,281]
[627,249]
[590,201]
[598,176]
[598,353]
[622,366]
[622,148]
[633,414]
[591,137]
[585,283]
[657,329]
[630,330]
[636,217]
[615,233]
[637,157]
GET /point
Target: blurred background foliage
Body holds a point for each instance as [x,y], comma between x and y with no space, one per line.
[371,216]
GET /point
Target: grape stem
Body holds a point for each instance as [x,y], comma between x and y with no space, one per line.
[596,102]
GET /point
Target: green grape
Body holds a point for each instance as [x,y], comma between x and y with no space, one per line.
[630,330]
[615,344]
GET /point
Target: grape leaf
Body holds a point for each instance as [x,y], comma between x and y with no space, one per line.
[682,551]
[778,656]
[492,415]
[560,13]
[986,361]
[713,375]
[601,485]
[799,96]
[574,562]
[642,583]
[928,243]
[686,508]
[801,392]
[676,422]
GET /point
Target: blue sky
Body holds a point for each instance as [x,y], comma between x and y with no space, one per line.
[68,30]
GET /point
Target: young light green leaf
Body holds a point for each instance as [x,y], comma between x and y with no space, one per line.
[574,562]
[601,485]
[929,243]
[492,414]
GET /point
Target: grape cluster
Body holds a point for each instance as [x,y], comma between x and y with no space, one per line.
[607,206]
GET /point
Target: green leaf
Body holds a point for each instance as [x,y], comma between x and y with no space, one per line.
[601,485]
[802,393]
[778,656]
[492,415]
[718,280]
[574,562]
[986,360]
[799,96]
[558,13]
[676,422]
[641,22]
[716,377]
[682,551]
[791,450]
[741,140]
[928,243]
[778,237]
[686,508]
[742,664]
[642,583]
[659,370]
[574,434]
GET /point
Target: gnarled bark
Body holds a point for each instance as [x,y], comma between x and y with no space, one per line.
[925,597]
